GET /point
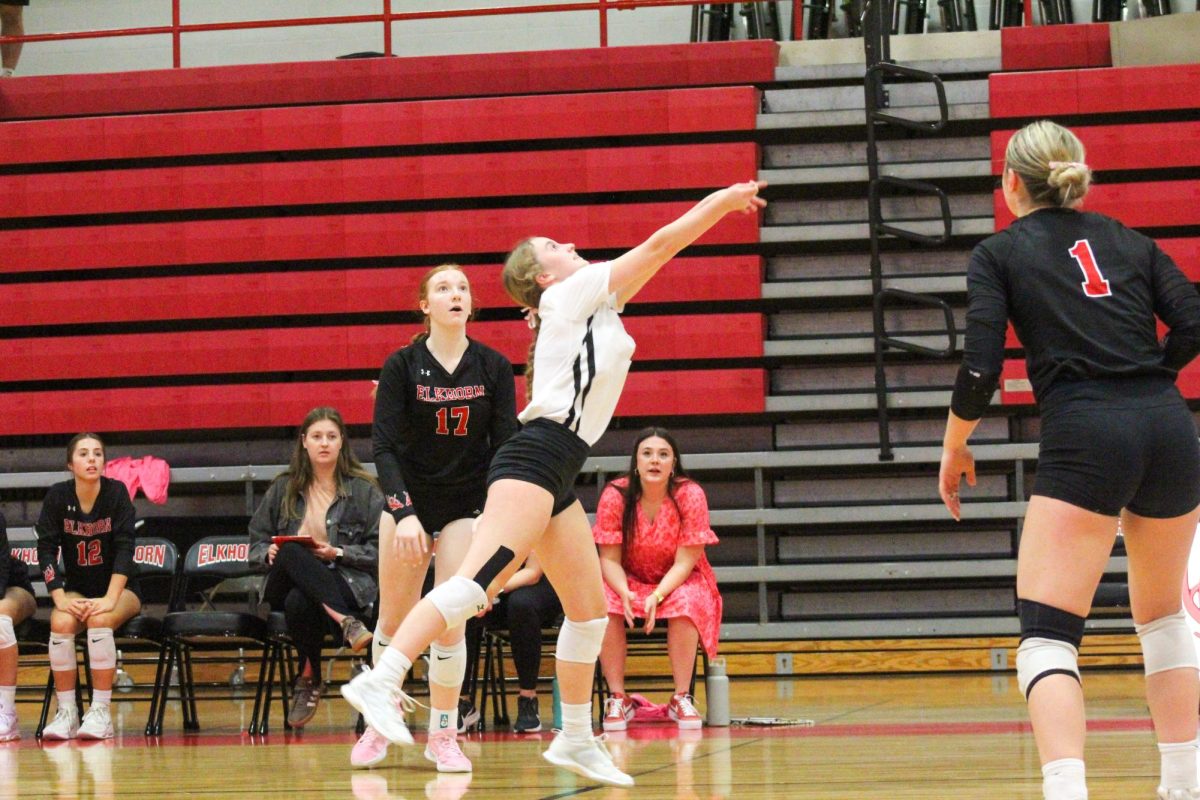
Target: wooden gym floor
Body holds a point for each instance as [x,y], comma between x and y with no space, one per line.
[930,736]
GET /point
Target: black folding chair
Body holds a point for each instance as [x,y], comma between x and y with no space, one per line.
[222,558]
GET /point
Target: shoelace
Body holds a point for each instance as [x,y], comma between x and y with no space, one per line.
[616,707]
[405,702]
[686,708]
[599,742]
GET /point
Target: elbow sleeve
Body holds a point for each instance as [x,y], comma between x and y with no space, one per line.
[973,390]
[1180,347]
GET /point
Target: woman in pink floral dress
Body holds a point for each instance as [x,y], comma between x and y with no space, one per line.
[652,527]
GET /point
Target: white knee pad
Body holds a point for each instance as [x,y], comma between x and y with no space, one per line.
[1038,658]
[8,637]
[62,652]
[458,599]
[448,665]
[102,650]
[1167,644]
[579,642]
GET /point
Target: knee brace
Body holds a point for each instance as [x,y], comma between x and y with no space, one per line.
[62,652]
[102,650]
[1167,644]
[448,665]
[579,642]
[458,599]
[1050,640]
[8,637]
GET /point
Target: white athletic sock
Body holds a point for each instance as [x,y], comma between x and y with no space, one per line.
[101,697]
[8,699]
[577,721]
[1064,780]
[66,699]
[379,644]
[441,719]
[392,666]
[1179,764]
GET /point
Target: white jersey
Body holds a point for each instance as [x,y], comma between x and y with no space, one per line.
[583,354]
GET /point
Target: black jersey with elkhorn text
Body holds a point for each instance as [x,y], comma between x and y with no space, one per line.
[434,427]
[95,545]
[1082,291]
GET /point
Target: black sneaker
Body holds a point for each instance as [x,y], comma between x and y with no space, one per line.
[306,696]
[528,720]
[468,715]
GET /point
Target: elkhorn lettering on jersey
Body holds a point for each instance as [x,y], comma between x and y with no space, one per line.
[76,528]
[441,394]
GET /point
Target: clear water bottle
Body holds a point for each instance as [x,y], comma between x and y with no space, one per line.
[716,689]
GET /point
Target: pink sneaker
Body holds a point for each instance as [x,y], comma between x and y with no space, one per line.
[443,750]
[683,711]
[617,713]
[369,750]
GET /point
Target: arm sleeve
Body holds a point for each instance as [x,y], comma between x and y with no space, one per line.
[1178,305]
[607,529]
[124,533]
[364,554]
[693,512]
[49,531]
[390,435]
[504,407]
[262,527]
[580,295]
[983,343]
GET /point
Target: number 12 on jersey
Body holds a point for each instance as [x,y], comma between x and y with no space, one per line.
[1094,283]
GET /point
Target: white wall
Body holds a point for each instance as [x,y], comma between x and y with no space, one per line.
[546,31]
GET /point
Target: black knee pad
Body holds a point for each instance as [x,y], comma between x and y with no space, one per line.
[1050,640]
[1047,622]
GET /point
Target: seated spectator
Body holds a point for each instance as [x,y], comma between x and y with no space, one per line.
[526,604]
[16,604]
[88,523]
[12,23]
[652,527]
[325,582]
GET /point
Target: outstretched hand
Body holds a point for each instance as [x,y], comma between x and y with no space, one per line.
[744,197]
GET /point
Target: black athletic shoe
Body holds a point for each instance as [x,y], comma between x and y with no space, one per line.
[528,720]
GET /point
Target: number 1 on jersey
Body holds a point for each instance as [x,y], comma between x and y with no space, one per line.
[1094,284]
[460,414]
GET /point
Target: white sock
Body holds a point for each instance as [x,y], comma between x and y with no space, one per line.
[66,699]
[6,73]
[577,721]
[441,719]
[1179,764]
[101,697]
[379,644]
[8,699]
[392,666]
[1064,780]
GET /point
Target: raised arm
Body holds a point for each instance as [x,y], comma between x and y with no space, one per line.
[630,272]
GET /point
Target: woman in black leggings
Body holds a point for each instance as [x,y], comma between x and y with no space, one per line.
[324,581]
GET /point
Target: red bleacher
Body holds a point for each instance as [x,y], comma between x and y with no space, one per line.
[1153,145]
[428,122]
[268,294]
[430,177]
[364,80]
[1149,204]
[1055,46]
[283,239]
[670,338]
[698,392]
[1094,91]
[1015,389]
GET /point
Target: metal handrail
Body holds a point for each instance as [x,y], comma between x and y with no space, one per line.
[875,75]
[921,300]
[919,187]
[387,16]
